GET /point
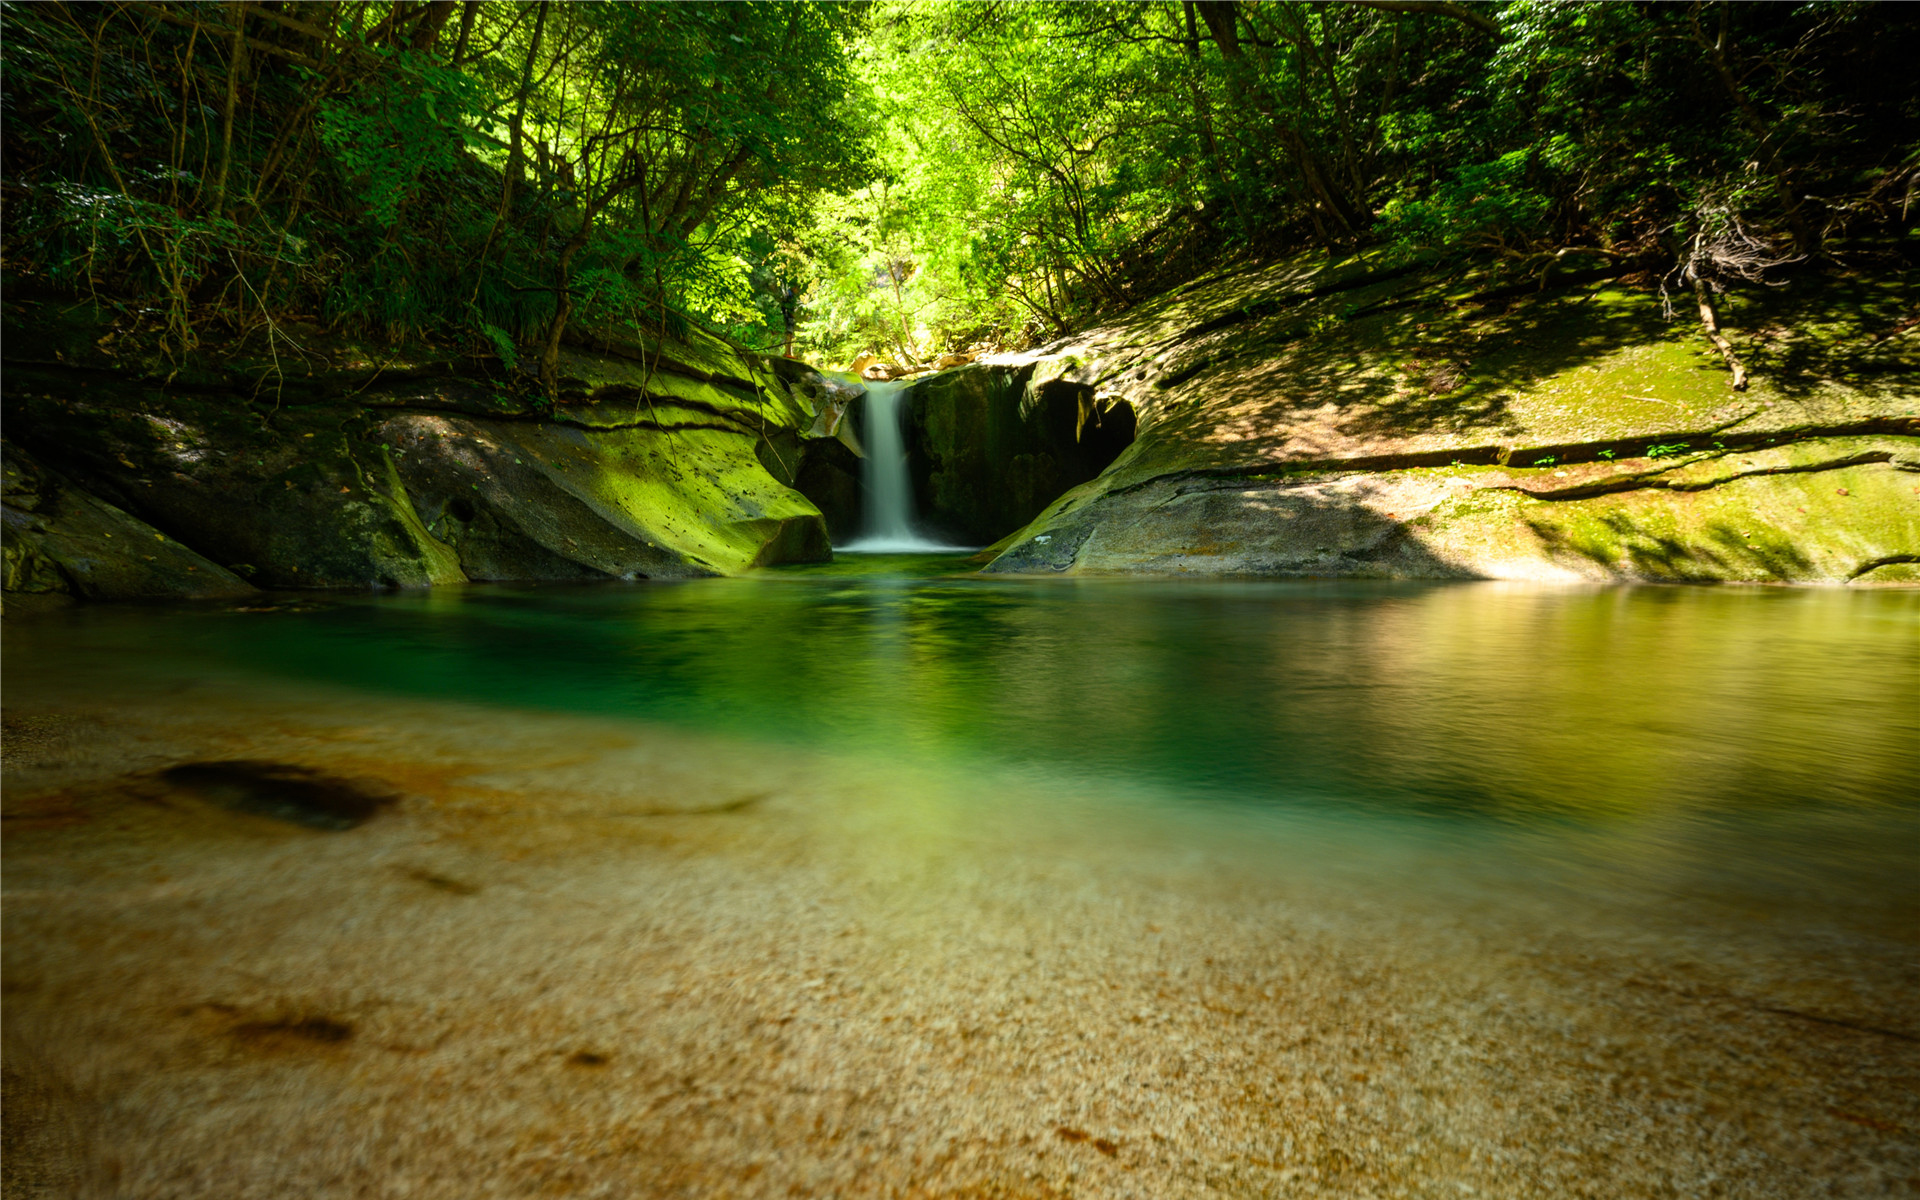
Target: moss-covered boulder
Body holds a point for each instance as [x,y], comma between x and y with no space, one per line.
[1354,420]
[373,472]
[289,499]
[597,495]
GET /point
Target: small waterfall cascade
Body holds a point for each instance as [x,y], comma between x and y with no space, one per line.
[886,526]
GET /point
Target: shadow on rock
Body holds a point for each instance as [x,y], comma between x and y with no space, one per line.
[1631,549]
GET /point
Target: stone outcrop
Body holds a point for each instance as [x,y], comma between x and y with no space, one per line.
[988,447]
[329,467]
[1305,419]
[1349,420]
[992,446]
[821,462]
[62,541]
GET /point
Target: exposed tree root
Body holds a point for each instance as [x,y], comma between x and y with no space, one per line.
[1710,319]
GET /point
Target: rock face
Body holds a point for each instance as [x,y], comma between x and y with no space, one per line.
[821,462]
[358,473]
[829,475]
[62,541]
[992,446]
[1344,420]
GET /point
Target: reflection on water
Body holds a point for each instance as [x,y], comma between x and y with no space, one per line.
[885,876]
[1486,699]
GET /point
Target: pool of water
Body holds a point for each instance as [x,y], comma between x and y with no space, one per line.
[1514,703]
[1581,867]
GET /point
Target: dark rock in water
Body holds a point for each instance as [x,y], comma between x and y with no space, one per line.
[290,1033]
[281,606]
[829,475]
[282,791]
[443,883]
[991,446]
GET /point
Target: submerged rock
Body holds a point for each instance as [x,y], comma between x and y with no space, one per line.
[282,791]
[1343,420]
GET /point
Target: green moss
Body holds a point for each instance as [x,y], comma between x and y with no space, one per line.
[700,493]
[441,561]
[1817,526]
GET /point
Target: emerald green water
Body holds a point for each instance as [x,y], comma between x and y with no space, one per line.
[1516,703]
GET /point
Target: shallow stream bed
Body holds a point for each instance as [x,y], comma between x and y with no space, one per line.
[885,880]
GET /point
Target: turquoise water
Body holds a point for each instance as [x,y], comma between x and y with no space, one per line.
[1488,701]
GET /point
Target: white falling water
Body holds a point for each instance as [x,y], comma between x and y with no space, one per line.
[887,525]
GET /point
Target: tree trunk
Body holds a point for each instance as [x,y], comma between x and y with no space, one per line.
[236,64]
[1204,113]
[427,26]
[516,155]
[469,12]
[562,310]
[516,136]
[1223,24]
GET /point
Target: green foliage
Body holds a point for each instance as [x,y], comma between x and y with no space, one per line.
[911,176]
[502,342]
[1074,157]
[1484,201]
[1024,163]
[1667,449]
[384,174]
[399,130]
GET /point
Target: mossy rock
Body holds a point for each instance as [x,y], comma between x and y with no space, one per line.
[297,499]
[420,478]
[1298,421]
[58,539]
[991,446]
[551,500]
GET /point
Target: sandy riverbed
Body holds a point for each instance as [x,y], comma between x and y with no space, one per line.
[587,957]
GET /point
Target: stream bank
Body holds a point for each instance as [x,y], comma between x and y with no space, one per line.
[1304,419]
[1358,420]
[313,462]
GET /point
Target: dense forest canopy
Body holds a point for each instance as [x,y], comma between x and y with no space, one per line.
[915,176]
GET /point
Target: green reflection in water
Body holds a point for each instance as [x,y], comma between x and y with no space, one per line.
[1508,701]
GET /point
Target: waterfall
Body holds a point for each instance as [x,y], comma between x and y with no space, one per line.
[886,525]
